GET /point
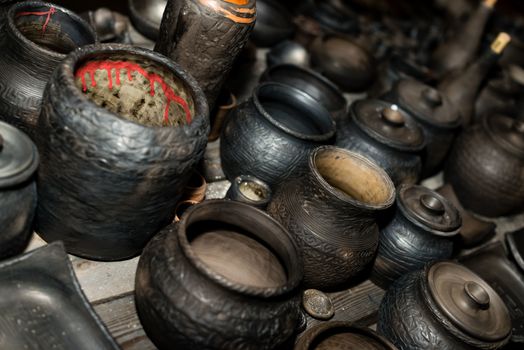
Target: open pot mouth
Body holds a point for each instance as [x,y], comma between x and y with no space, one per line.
[335,334]
[294,112]
[53,29]
[352,177]
[228,226]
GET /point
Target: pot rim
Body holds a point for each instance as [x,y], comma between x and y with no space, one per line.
[342,195]
[294,269]
[69,66]
[316,138]
[249,178]
[21,37]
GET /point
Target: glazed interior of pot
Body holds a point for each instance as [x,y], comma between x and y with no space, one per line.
[136,88]
[344,338]
[293,109]
[353,176]
[51,28]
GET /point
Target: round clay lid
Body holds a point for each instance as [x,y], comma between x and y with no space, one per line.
[468,301]
[506,132]
[18,156]
[429,210]
[426,104]
[388,124]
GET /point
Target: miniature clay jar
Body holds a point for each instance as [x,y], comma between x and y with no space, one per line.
[120,131]
[445,306]
[250,190]
[225,277]
[34,39]
[331,211]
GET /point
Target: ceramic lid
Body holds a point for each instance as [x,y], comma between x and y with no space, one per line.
[468,301]
[18,156]
[388,124]
[429,210]
[506,132]
[426,104]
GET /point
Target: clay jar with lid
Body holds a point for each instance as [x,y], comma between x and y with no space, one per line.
[225,277]
[422,231]
[34,39]
[434,114]
[486,167]
[386,134]
[331,210]
[120,131]
[18,164]
[445,306]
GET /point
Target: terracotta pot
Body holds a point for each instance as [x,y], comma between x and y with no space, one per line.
[331,210]
[120,132]
[221,113]
[250,190]
[18,163]
[445,306]
[34,39]
[196,188]
[225,277]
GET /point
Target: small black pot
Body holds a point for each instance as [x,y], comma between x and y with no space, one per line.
[225,277]
[314,84]
[270,135]
[18,163]
[386,134]
[146,16]
[288,52]
[112,168]
[421,231]
[250,190]
[274,24]
[31,49]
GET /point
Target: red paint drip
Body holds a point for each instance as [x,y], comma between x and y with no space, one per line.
[91,67]
[49,13]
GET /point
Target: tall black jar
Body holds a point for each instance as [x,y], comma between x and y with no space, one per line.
[205,282]
[386,134]
[421,231]
[119,133]
[270,135]
[34,39]
[331,210]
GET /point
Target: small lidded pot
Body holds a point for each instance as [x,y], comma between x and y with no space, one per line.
[386,134]
[434,114]
[250,190]
[422,231]
[18,164]
[444,306]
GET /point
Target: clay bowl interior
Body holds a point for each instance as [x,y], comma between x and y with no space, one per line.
[137,89]
[345,338]
[253,190]
[51,28]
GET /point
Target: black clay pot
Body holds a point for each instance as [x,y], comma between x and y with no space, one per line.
[314,84]
[270,135]
[343,62]
[486,167]
[288,52]
[331,211]
[434,113]
[334,15]
[250,190]
[225,277]
[18,163]
[274,24]
[422,231]
[445,306]
[120,131]
[146,16]
[34,40]
[386,134]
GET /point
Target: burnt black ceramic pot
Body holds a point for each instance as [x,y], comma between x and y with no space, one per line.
[120,131]
[225,277]
[314,84]
[146,16]
[270,135]
[250,190]
[34,39]
[274,24]
[18,163]
[331,211]
[434,113]
[445,306]
[421,231]
[486,167]
[386,134]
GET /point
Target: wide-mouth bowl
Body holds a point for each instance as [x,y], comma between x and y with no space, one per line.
[228,224]
[55,30]
[352,178]
[294,112]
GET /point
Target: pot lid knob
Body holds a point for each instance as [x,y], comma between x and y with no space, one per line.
[432,97]
[393,117]
[432,204]
[478,295]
